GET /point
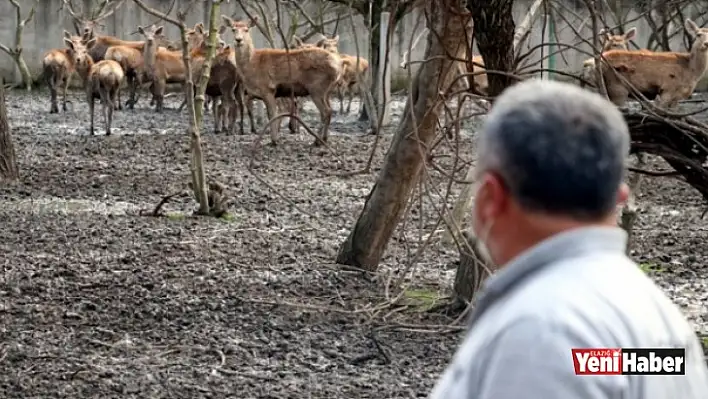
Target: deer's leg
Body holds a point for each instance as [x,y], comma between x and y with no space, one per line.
[271,109]
[132,88]
[158,92]
[54,106]
[340,96]
[293,126]
[108,107]
[323,105]
[351,97]
[91,107]
[65,88]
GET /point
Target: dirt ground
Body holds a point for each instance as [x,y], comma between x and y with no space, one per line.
[101,302]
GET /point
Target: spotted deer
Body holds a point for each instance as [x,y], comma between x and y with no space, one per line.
[667,77]
[101,79]
[608,41]
[271,73]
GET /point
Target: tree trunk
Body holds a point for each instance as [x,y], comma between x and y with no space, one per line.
[374,64]
[24,72]
[8,158]
[494,32]
[471,272]
[401,170]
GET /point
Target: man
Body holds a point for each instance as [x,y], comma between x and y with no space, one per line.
[550,176]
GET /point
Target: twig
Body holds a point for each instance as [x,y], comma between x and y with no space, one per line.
[156,212]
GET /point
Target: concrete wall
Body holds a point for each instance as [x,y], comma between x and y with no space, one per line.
[45,31]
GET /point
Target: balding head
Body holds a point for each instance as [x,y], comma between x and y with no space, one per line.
[559,150]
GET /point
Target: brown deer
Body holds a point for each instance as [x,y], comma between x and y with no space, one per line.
[224,83]
[608,41]
[58,68]
[101,80]
[197,38]
[355,70]
[666,76]
[271,73]
[161,66]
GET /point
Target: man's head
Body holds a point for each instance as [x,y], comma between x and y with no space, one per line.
[551,157]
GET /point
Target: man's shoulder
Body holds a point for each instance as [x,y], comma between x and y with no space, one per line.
[603,300]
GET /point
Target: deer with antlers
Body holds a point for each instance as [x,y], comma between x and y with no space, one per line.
[127,53]
[101,79]
[271,73]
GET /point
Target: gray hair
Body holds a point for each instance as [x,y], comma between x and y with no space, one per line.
[559,149]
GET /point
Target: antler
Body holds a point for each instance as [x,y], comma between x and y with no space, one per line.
[68,6]
[103,10]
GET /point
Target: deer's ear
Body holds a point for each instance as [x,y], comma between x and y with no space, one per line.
[222,29]
[199,27]
[159,30]
[91,42]
[141,30]
[691,27]
[297,41]
[69,44]
[336,38]
[321,43]
[630,34]
[67,35]
[228,22]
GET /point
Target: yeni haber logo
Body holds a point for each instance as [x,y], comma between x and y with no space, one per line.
[629,361]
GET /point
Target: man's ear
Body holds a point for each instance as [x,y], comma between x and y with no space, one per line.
[622,193]
[491,196]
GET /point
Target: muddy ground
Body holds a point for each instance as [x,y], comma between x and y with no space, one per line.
[101,302]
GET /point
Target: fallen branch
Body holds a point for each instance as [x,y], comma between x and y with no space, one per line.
[157,211]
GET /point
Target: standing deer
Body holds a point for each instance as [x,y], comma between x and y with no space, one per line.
[355,71]
[161,66]
[58,68]
[271,73]
[666,76]
[608,41]
[101,80]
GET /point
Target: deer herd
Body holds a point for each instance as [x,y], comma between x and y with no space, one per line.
[241,73]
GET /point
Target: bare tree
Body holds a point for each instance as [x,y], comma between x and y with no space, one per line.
[8,158]
[16,51]
[211,201]
[385,204]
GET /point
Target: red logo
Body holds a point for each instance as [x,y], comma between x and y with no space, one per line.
[629,361]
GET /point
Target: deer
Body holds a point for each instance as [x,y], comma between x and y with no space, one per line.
[197,43]
[161,66]
[271,73]
[58,68]
[667,77]
[224,82]
[101,79]
[608,41]
[355,70]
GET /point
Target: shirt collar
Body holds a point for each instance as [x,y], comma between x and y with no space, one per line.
[558,247]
